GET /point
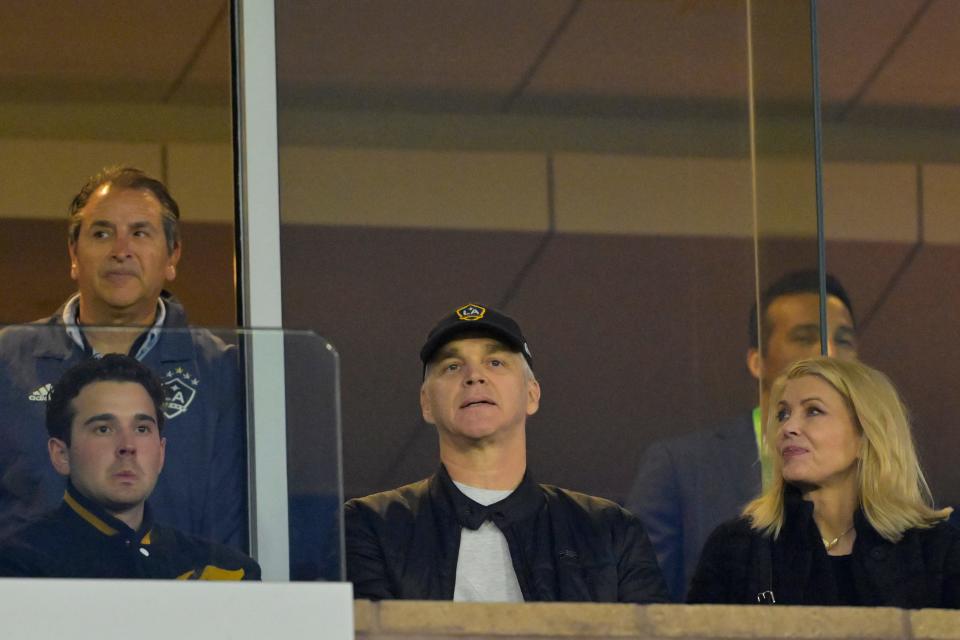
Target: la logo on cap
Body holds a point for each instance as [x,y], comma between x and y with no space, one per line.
[471,312]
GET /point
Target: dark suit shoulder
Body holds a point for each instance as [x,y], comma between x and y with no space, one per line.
[738,428]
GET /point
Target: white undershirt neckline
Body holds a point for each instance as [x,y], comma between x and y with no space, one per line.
[484,568]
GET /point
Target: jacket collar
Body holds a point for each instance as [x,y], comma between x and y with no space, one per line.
[520,505]
[799,548]
[97,518]
[177,343]
[174,345]
[880,566]
[146,341]
[799,513]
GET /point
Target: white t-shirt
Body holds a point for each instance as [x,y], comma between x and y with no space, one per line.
[484,568]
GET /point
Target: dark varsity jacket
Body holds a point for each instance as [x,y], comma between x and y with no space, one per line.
[81,540]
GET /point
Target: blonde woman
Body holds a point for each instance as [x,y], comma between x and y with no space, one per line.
[848,518]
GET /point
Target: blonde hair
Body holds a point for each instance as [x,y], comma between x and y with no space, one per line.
[894,494]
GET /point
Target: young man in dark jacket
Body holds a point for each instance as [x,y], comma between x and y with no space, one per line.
[481,529]
[105,420]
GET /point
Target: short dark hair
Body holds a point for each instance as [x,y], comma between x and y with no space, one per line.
[806,281]
[113,367]
[129,178]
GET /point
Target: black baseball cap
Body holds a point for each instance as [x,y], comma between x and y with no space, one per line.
[470,318]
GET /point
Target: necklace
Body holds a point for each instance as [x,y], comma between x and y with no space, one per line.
[830,544]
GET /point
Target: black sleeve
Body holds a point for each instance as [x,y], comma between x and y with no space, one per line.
[712,583]
[251,570]
[21,561]
[951,572]
[366,564]
[640,578]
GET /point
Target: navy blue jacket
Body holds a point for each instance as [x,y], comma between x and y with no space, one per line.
[202,489]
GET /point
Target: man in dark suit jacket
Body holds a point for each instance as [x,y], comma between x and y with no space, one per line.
[688,485]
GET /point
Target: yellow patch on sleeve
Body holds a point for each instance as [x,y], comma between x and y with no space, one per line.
[211,572]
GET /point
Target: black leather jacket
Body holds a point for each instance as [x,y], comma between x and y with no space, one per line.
[738,563]
[564,545]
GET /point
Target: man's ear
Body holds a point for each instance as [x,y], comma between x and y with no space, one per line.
[171,269]
[754,362]
[72,250]
[533,397]
[59,455]
[163,452]
[425,407]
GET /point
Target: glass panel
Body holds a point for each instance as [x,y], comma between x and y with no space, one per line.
[784,184]
[583,166]
[112,462]
[84,86]
[314,479]
[892,169]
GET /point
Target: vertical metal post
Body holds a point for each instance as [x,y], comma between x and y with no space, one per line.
[818,175]
[258,201]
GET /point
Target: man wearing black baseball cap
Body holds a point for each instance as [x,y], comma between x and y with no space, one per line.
[481,529]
